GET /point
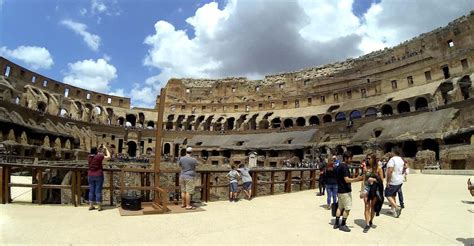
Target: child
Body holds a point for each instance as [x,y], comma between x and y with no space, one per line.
[233,175]
[247,179]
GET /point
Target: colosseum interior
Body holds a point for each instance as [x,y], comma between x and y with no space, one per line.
[417,95]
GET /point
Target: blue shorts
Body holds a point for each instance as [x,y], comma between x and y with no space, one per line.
[233,187]
[247,185]
[392,190]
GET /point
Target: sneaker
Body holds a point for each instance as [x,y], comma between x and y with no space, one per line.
[336,226]
[91,208]
[366,228]
[402,206]
[398,212]
[344,228]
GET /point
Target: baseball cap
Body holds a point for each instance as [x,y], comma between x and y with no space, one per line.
[189,149]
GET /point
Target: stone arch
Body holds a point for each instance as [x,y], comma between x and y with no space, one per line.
[132,148]
[169,122]
[167,149]
[63,113]
[17,100]
[314,120]
[445,88]
[300,121]
[431,144]
[208,123]
[46,142]
[23,138]
[288,123]
[263,124]
[57,143]
[188,124]
[11,136]
[421,103]
[252,124]
[340,116]
[276,122]
[150,124]
[199,120]
[465,85]
[355,114]
[131,119]
[240,121]
[41,106]
[121,121]
[67,144]
[371,112]
[141,118]
[230,123]
[98,110]
[387,110]
[403,107]
[327,118]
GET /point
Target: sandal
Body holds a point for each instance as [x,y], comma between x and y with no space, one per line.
[183,206]
[190,208]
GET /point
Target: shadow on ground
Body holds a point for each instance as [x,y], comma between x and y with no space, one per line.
[466,241]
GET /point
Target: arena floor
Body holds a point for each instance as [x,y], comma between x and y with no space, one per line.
[439,210]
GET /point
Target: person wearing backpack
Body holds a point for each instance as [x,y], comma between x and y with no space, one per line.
[95,175]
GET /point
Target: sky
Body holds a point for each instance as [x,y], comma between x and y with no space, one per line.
[132,48]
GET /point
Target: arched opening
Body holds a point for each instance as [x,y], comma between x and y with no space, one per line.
[150,125]
[421,103]
[465,84]
[230,123]
[240,121]
[339,150]
[199,120]
[288,123]
[17,100]
[121,121]
[253,122]
[226,153]
[355,114]
[63,113]
[204,154]
[327,118]
[189,121]
[370,112]
[132,149]
[403,107]
[446,87]
[356,150]
[314,120]
[276,122]
[179,121]
[300,121]
[41,107]
[141,118]
[167,149]
[132,119]
[149,151]
[98,110]
[388,147]
[207,124]
[263,124]
[409,149]
[176,150]
[431,145]
[387,110]
[340,116]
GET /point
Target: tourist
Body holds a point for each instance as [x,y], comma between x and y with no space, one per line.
[344,191]
[321,184]
[95,175]
[373,179]
[394,180]
[247,181]
[233,175]
[186,179]
[330,180]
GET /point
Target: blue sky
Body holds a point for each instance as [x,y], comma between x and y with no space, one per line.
[132,47]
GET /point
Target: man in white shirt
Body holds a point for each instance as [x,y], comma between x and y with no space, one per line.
[394,180]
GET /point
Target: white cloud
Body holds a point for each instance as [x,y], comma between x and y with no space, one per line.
[90,74]
[33,56]
[83,11]
[97,6]
[92,40]
[144,97]
[256,38]
[118,92]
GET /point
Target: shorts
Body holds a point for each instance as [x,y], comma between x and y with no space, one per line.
[187,185]
[233,187]
[344,201]
[392,190]
[247,185]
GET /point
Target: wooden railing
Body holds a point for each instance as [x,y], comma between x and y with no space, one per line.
[289,177]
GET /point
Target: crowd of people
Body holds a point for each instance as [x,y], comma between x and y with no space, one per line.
[119,157]
[379,180]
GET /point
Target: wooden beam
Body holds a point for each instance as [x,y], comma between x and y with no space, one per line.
[159,137]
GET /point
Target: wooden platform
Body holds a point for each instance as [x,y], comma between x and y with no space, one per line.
[148,209]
